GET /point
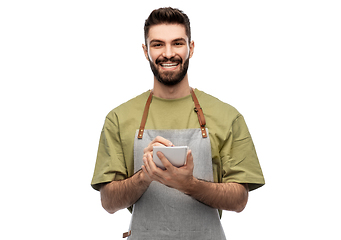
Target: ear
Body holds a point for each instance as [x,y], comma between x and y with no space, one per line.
[191,49]
[145,51]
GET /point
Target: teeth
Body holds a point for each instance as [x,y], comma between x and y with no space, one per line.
[169,64]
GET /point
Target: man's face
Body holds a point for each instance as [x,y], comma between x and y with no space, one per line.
[168,52]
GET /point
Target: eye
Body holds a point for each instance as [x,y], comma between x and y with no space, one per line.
[156,45]
[178,44]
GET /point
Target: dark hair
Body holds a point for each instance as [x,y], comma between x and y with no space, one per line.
[167,15]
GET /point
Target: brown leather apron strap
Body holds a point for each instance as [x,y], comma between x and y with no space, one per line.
[126,234]
[197,109]
[200,114]
[145,115]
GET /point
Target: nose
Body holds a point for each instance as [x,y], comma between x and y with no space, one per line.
[168,53]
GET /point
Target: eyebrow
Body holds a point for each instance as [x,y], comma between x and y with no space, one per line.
[155,41]
[160,41]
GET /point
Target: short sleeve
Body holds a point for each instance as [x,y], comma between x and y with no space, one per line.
[110,164]
[239,157]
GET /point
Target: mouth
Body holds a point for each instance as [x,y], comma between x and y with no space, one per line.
[169,66]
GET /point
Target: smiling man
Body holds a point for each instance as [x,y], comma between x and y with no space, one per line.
[168,56]
[221,166]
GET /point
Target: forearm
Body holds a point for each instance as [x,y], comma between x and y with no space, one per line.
[122,194]
[224,196]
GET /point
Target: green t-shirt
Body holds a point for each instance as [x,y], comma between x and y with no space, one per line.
[234,158]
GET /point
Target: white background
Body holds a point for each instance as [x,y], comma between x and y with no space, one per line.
[65,64]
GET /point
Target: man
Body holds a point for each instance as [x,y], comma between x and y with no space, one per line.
[175,203]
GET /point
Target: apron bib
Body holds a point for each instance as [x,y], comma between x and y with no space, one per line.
[164,213]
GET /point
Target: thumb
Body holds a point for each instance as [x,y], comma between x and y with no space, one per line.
[189,160]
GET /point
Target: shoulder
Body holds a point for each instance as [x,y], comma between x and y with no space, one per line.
[214,106]
[134,106]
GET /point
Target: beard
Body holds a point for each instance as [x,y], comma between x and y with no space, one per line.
[169,78]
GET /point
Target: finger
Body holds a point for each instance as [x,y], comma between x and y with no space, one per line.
[151,145]
[163,141]
[154,172]
[144,170]
[146,163]
[165,161]
[150,165]
[189,159]
[158,141]
[146,154]
[145,174]
[143,167]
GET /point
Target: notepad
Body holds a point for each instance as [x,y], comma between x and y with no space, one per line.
[175,155]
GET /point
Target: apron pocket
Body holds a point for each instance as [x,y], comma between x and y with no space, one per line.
[171,235]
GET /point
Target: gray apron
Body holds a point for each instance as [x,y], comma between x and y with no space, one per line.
[164,213]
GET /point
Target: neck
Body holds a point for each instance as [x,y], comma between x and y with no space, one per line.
[179,90]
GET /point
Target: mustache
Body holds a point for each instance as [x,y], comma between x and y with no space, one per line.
[161,59]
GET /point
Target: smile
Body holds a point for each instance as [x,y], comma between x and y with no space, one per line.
[169,65]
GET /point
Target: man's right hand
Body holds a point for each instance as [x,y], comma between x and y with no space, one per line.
[158,141]
[148,152]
